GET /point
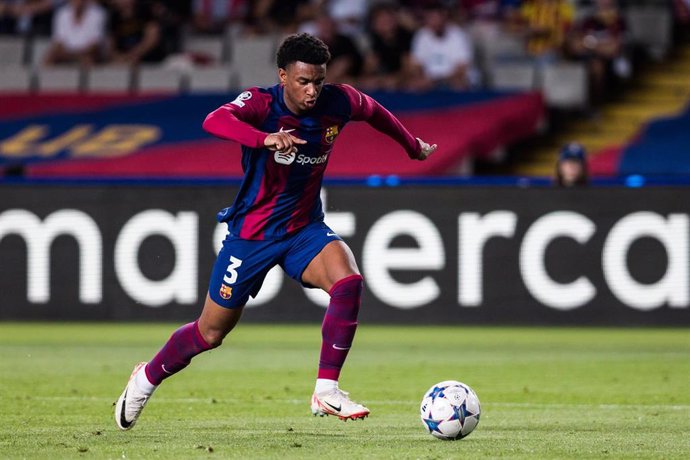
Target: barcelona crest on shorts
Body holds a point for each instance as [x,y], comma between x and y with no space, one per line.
[331,133]
[225,291]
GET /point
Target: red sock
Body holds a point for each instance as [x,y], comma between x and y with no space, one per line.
[339,325]
[184,344]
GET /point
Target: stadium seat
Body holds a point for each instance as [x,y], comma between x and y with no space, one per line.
[15,78]
[155,78]
[205,47]
[520,76]
[38,48]
[650,27]
[60,79]
[254,59]
[210,79]
[109,78]
[565,85]
[12,50]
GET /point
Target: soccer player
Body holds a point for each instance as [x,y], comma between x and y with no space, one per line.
[287,134]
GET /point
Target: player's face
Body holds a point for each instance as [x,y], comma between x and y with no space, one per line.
[303,83]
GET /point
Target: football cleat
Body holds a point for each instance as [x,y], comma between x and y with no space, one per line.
[337,402]
[131,402]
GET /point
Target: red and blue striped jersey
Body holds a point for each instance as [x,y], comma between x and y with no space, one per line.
[280,193]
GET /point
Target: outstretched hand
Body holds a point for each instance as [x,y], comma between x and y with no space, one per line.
[426,150]
[283,141]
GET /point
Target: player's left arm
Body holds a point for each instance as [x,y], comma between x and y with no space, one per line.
[367,109]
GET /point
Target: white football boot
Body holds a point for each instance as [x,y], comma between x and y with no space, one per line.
[131,402]
[337,402]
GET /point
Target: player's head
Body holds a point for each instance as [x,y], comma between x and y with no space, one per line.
[302,60]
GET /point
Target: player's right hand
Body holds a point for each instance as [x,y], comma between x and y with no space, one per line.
[283,141]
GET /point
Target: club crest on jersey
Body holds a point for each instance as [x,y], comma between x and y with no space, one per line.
[239,100]
[225,291]
[330,134]
[284,158]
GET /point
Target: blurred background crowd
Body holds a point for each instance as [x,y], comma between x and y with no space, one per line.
[603,69]
[406,44]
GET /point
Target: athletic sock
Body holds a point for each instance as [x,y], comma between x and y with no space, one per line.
[184,344]
[142,381]
[325,385]
[339,326]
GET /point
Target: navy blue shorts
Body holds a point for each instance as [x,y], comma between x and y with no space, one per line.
[242,264]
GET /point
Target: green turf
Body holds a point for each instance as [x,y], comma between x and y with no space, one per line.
[545,393]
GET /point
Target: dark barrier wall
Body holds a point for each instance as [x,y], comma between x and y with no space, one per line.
[445,255]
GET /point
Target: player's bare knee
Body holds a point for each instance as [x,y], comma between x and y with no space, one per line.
[214,337]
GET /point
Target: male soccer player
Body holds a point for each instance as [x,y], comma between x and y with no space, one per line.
[287,134]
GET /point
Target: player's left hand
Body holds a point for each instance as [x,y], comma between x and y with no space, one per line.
[426,150]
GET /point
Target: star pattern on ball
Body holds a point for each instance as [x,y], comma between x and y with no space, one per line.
[437,392]
[459,413]
[432,425]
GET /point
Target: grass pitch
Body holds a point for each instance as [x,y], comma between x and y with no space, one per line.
[545,393]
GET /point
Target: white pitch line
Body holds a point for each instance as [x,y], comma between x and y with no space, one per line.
[525,405]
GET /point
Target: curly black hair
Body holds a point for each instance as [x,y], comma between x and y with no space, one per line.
[302,47]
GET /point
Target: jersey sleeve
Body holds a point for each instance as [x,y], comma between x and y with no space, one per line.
[365,108]
[239,120]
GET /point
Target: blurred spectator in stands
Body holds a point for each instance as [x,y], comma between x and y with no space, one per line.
[172,15]
[134,35]
[78,34]
[350,15]
[681,21]
[598,39]
[571,168]
[544,25]
[388,61]
[27,17]
[214,16]
[346,62]
[8,17]
[442,53]
[282,16]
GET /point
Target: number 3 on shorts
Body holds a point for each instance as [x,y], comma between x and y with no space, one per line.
[231,272]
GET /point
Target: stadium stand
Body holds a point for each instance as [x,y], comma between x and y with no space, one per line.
[211,79]
[110,78]
[243,56]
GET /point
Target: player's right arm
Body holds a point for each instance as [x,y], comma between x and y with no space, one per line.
[239,120]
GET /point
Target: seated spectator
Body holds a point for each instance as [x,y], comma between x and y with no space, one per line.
[78,34]
[544,25]
[441,53]
[134,34]
[346,61]
[213,16]
[27,17]
[598,40]
[8,16]
[284,16]
[388,61]
[571,168]
[172,15]
[349,15]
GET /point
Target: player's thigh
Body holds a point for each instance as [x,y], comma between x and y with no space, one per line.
[333,263]
[239,271]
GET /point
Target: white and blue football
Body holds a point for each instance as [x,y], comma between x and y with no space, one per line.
[450,410]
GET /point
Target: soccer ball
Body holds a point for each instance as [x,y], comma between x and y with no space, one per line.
[450,410]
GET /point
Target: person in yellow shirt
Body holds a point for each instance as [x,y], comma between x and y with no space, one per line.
[544,25]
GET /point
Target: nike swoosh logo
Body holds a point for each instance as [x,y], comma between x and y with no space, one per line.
[337,409]
[165,370]
[123,421]
[330,234]
[340,348]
